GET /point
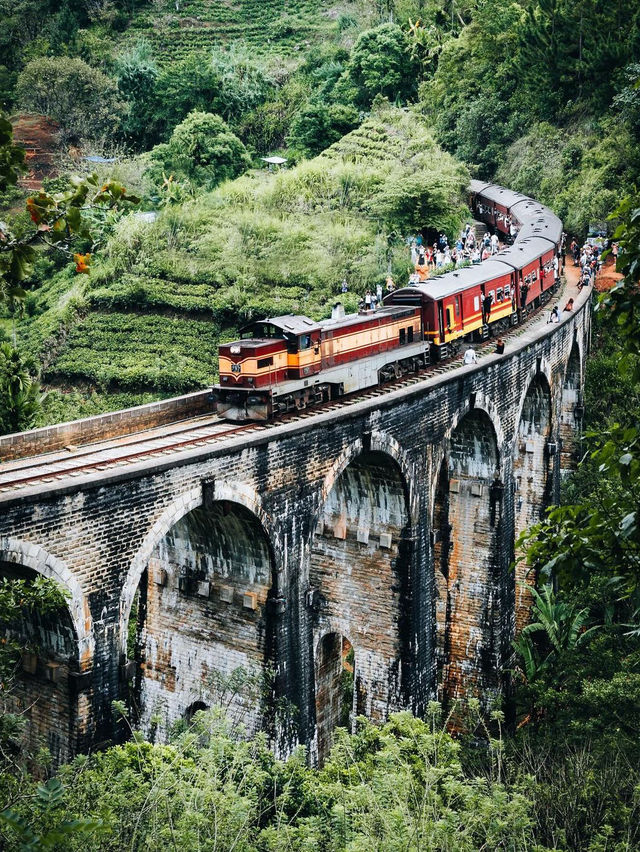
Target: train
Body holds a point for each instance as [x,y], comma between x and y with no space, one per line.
[288,363]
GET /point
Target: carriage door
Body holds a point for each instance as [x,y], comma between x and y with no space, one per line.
[441,321]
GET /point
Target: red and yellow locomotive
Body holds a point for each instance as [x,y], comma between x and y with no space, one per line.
[289,362]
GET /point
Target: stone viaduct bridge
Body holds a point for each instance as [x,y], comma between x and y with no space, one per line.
[377,535]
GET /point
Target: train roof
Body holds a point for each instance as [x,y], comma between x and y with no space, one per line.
[295,324]
[548,226]
[523,251]
[477,186]
[289,323]
[461,279]
[500,195]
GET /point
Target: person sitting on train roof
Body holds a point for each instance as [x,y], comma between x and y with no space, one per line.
[470,356]
[569,305]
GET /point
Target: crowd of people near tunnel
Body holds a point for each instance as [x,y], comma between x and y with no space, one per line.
[588,258]
[469,248]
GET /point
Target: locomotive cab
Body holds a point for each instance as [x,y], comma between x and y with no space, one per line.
[269,353]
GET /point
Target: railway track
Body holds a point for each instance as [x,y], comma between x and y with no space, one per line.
[200,432]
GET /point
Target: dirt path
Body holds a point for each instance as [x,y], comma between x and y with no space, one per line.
[605,279]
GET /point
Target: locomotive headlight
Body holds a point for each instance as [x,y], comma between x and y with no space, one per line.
[234,350]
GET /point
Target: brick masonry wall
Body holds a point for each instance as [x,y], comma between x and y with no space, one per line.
[100,533]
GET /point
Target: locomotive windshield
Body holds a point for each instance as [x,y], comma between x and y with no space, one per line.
[262,330]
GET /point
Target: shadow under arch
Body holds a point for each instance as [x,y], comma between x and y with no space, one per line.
[183,504]
[571,408]
[532,478]
[359,576]
[58,647]
[203,613]
[466,526]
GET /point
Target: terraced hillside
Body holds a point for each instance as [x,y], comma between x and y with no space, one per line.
[179,28]
[151,314]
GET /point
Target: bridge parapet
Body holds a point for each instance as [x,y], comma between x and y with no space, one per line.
[103,427]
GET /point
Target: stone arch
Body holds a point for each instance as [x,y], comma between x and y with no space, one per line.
[204,610]
[479,401]
[466,528]
[377,441]
[177,509]
[59,648]
[359,571]
[571,408]
[36,558]
[193,708]
[532,476]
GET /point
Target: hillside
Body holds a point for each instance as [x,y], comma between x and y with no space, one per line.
[151,314]
[176,30]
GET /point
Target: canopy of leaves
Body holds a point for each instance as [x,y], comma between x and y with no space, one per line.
[19,392]
[203,150]
[400,786]
[381,63]
[80,98]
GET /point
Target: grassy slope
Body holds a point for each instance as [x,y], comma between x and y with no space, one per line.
[279,27]
[154,309]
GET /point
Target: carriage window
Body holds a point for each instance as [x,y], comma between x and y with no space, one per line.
[403,336]
[410,334]
[304,341]
[507,291]
[476,303]
[492,294]
[456,306]
[265,362]
[499,294]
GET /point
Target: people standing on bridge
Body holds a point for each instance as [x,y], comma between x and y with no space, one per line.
[500,346]
[367,300]
[554,316]
[390,285]
[569,305]
[379,293]
[470,356]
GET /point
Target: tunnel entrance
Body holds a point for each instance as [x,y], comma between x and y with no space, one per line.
[41,683]
[201,629]
[466,521]
[359,580]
